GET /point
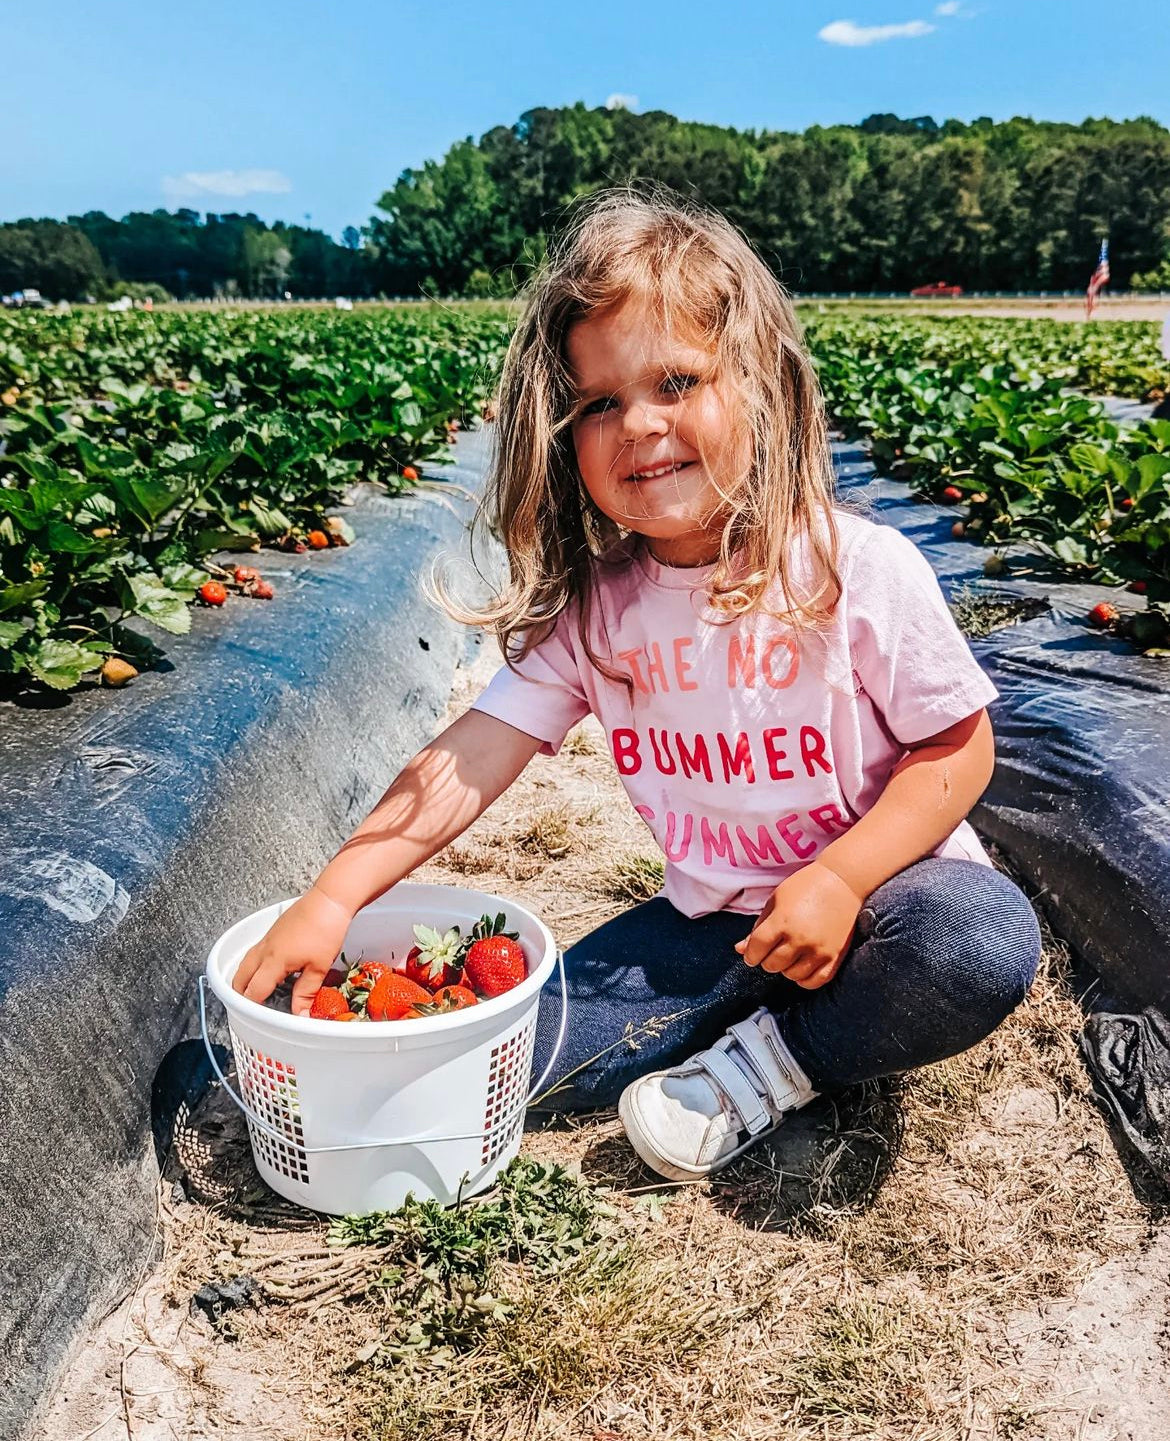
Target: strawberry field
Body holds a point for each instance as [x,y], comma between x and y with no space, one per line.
[991,416]
[134,446]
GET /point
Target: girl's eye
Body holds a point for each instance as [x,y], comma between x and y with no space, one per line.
[593,408]
[680,383]
[674,384]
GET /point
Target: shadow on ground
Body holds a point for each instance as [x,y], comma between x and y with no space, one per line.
[830,1158]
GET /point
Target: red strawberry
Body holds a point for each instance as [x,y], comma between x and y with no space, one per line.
[318,540]
[1104,614]
[952,494]
[1137,586]
[409,472]
[393,997]
[445,1000]
[1127,502]
[495,965]
[261,590]
[244,574]
[365,975]
[330,1005]
[454,998]
[436,960]
[212,593]
[494,962]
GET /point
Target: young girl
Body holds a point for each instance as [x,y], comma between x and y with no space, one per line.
[787,700]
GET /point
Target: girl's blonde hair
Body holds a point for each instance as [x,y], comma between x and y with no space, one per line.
[694,269]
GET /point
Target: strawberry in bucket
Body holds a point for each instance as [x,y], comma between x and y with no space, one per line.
[445,972]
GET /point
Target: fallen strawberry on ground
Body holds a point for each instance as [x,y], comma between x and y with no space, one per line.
[1103,614]
[117,671]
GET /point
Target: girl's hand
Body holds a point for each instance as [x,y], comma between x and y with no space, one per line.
[306,938]
[805,929]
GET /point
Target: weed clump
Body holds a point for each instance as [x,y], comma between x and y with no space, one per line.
[979,614]
[634,878]
[553,832]
[438,1267]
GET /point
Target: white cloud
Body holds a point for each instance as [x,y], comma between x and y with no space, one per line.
[195,184]
[948,7]
[845,32]
[622,102]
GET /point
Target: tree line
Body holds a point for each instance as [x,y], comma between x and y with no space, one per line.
[884,205]
[179,254]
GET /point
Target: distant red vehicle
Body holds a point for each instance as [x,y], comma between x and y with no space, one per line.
[940,287]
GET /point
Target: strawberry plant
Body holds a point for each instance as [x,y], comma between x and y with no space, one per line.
[134,446]
[1034,460]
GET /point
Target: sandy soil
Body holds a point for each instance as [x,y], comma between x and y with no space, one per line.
[1026,308]
[962,1257]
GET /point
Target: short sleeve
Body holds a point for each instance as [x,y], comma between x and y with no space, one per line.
[908,653]
[546,698]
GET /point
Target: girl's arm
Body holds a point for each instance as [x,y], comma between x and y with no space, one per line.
[929,792]
[806,927]
[436,796]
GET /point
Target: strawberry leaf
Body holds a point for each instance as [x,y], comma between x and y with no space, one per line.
[60,664]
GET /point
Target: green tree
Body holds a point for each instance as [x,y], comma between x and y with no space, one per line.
[266,263]
[439,224]
[58,260]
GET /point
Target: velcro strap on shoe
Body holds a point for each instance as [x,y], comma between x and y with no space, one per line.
[736,1087]
[785,1083]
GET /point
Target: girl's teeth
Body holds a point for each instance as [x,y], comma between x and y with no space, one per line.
[654,474]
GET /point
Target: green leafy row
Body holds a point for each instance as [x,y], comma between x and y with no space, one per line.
[133,446]
[1114,357]
[1034,460]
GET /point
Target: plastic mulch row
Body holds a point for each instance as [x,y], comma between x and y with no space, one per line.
[1080,800]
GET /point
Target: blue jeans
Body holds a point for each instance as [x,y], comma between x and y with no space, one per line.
[943,951]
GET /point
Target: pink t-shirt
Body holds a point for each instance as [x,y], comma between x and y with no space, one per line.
[745,750]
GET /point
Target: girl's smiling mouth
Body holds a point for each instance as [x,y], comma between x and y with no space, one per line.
[658,472]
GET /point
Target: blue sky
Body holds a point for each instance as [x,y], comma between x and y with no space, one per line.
[298,109]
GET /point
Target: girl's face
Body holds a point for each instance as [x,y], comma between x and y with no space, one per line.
[652,429]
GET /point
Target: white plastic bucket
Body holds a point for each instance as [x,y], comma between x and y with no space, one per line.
[349,1119]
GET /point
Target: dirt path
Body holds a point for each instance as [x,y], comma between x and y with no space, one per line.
[959,1255]
[1025,308]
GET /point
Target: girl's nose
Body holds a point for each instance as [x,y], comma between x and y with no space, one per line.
[642,419]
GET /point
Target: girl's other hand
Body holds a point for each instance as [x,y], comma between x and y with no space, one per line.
[306,938]
[805,930]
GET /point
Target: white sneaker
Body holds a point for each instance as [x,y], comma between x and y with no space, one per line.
[692,1120]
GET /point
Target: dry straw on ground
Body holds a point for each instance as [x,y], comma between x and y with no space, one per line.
[957,1255]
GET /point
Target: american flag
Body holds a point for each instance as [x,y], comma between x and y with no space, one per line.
[1100,278]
